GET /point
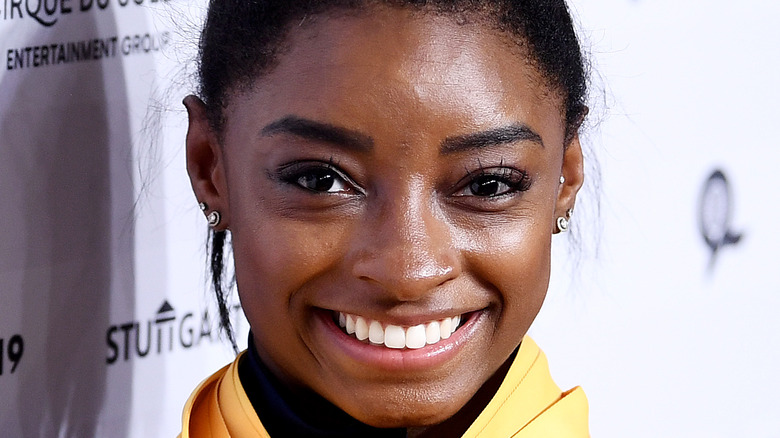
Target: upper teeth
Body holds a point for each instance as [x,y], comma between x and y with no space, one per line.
[395,336]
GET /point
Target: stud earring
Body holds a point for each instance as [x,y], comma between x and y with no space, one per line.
[563,180]
[214,217]
[563,224]
[563,221]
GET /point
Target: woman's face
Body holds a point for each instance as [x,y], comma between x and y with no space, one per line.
[398,172]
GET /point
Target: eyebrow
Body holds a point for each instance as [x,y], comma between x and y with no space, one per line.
[493,137]
[318,131]
[354,140]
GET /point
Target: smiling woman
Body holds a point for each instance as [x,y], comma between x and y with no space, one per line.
[391,174]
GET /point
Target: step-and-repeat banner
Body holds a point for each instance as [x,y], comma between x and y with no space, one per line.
[106,325]
[663,308]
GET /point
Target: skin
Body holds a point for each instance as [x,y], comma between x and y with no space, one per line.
[408,231]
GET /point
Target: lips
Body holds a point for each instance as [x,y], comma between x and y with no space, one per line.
[396,336]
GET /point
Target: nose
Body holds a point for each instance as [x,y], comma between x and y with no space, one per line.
[407,248]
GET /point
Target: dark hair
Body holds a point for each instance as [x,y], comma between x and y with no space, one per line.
[242,39]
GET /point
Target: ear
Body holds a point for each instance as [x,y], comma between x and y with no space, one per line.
[205,163]
[572,172]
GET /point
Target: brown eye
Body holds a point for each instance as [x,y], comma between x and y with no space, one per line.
[321,180]
[494,182]
[488,186]
[317,177]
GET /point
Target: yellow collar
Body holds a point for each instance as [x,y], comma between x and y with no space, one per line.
[527,404]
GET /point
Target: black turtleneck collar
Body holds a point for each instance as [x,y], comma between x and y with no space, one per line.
[284,414]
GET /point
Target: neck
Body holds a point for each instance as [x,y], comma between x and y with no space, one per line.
[460,422]
[286,411]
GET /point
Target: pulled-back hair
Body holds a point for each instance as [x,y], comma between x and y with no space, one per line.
[242,40]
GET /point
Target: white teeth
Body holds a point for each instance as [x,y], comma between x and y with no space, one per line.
[446,328]
[415,336]
[375,333]
[361,328]
[432,332]
[394,336]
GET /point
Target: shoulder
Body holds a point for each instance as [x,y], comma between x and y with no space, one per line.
[529,403]
[219,408]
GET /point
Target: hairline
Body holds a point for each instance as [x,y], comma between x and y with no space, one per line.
[487,16]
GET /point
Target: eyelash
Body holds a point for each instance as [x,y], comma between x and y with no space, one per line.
[506,180]
[515,180]
[294,173]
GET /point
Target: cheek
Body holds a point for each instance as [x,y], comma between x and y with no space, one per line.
[514,260]
[279,264]
[277,258]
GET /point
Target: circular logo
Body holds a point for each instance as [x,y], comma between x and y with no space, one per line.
[715,214]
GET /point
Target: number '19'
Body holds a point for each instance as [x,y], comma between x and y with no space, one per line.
[15,351]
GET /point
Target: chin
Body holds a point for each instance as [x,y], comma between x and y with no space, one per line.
[404,413]
[411,419]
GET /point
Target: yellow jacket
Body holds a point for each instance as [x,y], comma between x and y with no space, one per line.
[527,404]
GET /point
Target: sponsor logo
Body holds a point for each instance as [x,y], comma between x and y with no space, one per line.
[715,213]
[48,12]
[162,333]
[11,351]
[85,50]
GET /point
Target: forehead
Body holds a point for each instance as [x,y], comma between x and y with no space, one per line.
[407,66]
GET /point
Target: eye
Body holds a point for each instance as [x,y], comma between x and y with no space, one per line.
[322,180]
[318,177]
[491,183]
[487,186]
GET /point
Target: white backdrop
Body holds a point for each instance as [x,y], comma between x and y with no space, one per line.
[664,344]
[100,229]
